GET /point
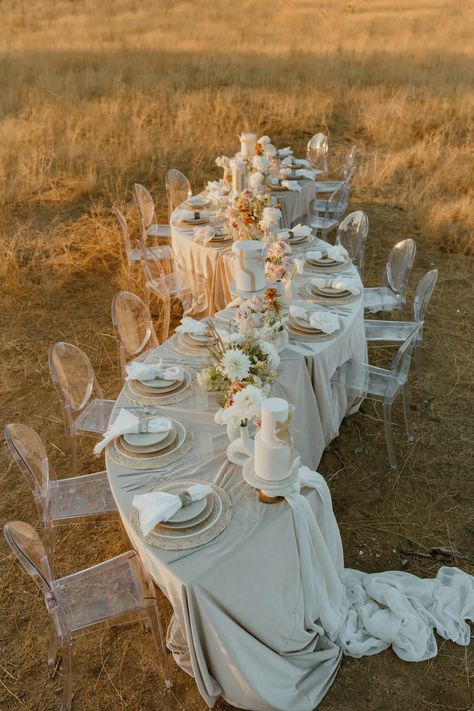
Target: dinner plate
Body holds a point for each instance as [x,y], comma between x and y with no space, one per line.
[303,325]
[145,439]
[201,338]
[296,240]
[329,291]
[157,382]
[275,187]
[179,387]
[148,449]
[194,342]
[191,515]
[199,221]
[197,202]
[169,449]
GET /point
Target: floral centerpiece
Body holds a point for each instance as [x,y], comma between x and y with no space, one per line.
[245,215]
[261,315]
[279,267]
[224,163]
[241,371]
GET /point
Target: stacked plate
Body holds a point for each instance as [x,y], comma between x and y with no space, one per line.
[192,525]
[301,329]
[326,263]
[198,202]
[160,389]
[328,293]
[148,450]
[193,343]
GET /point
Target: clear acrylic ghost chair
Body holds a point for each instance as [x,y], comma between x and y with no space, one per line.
[317,153]
[393,292]
[134,329]
[60,502]
[84,408]
[133,253]
[146,211]
[348,170]
[114,592]
[335,207]
[178,189]
[385,386]
[393,333]
[191,289]
[352,234]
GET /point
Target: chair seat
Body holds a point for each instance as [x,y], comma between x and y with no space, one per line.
[323,223]
[381,298]
[363,380]
[103,592]
[328,186]
[156,253]
[330,206]
[95,416]
[387,332]
[77,496]
[158,231]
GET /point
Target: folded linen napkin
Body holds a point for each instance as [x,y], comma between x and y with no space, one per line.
[283,152]
[128,423]
[149,371]
[336,252]
[296,231]
[325,321]
[336,284]
[204,234]
[291,185]
[190,325]
[159,506]
[298,162]
[300,173]
[192,214]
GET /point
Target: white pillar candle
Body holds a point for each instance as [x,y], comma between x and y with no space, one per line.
[239,176]
[274,409]
[248,143]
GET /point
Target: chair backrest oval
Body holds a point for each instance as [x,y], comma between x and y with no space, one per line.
[352,233]
[30,551]
[400,366]
[124,227]
[178,188]
[28,451]
[132,322]
[399,265]
[317,151]
[424,290]
[145,205]
[72,374]
[350,163]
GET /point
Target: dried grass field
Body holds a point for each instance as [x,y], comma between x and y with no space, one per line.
[97,95]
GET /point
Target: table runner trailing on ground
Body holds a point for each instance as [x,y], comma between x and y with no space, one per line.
[264,612]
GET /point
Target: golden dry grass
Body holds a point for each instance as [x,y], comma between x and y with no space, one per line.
[98,95]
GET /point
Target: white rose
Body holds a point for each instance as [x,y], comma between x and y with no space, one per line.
[256,181]
[261,164]
[264,140]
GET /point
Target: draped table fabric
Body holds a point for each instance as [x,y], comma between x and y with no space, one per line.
[263,613]
[216,264]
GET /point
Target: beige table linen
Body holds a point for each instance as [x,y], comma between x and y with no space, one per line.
[215,263]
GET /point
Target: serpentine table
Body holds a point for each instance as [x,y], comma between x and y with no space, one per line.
[239,610]
[216,264]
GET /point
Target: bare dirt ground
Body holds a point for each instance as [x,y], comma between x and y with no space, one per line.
[101,98]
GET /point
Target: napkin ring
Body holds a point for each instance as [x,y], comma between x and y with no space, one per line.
[185,498]
[143,427]
[197,216]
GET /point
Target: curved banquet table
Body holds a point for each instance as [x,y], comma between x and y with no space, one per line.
[213,263]
[240,624]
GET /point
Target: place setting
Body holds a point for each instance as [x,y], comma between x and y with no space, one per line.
[191,218]
[215,236]
[297,236]
[327,258]
[183,514]
[311,325]
[144,442]
[158,384]
[330,290]
[193,337]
